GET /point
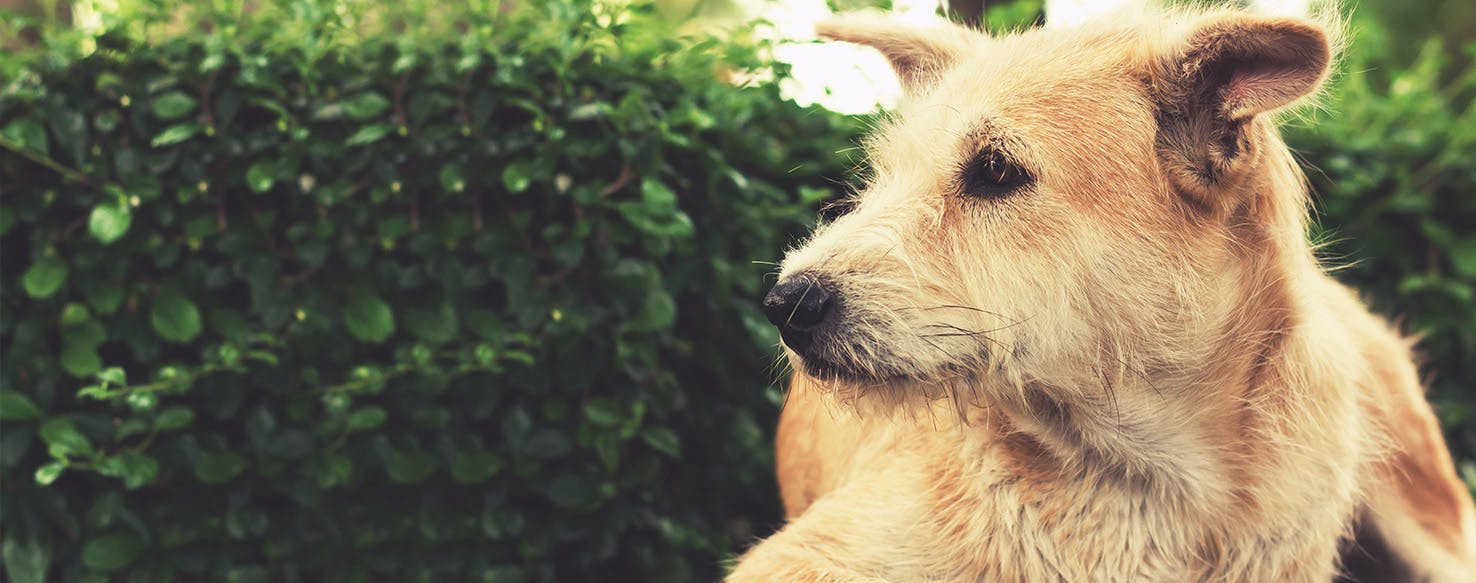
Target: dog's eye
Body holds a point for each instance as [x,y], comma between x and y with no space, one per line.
[992,174]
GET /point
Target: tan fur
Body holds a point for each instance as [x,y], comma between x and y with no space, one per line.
[1133,370]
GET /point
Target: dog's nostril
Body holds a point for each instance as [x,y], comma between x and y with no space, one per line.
[799,304]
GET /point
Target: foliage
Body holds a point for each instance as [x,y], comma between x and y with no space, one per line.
[296,299]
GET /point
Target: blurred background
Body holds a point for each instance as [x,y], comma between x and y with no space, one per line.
[341,290]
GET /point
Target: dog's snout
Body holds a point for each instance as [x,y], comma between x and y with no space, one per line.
[797,306]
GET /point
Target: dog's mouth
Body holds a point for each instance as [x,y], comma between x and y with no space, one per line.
[826,368]
[823,369]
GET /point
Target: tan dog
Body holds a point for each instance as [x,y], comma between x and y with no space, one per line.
[1073,330]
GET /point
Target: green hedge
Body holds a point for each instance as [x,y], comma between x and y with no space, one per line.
[472,301]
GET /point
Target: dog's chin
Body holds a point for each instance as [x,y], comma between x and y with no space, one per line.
[841,373]
[835,371]
[827,370]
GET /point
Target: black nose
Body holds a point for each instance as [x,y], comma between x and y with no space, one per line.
[797,307]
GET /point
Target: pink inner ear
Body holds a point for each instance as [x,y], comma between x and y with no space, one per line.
[1264,64]
[1263,86]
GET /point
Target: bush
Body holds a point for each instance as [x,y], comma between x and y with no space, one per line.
[476,300]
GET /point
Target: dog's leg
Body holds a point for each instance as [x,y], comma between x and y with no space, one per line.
[851,535]
[815,443]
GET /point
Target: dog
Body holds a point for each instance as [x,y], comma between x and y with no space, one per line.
[1072,329]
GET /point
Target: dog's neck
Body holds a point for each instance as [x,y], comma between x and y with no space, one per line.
[1164,427]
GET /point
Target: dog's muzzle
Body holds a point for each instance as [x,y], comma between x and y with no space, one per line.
[799,307]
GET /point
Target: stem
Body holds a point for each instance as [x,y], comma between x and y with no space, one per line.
[43,160]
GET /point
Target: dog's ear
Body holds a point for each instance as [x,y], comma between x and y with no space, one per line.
[1228,70]
[919,54]
[1242,66]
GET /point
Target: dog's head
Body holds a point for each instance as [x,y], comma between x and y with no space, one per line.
[1053,206]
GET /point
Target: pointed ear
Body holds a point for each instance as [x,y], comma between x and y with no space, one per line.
[1212,86]
[1242,66]
[919,54]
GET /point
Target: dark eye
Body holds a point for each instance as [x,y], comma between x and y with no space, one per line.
[992,174]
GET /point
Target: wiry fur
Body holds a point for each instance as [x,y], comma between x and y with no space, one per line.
[1134,369]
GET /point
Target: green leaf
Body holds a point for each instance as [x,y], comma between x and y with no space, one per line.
[44,277]
[26,558]
[219,467]
[607,447]
[453,178]
[70,130]
[517,176]
[173,105]
[370,134]
[28,134]
[367,418]
[17,407]
[7,219]
[659,312]
[109,221]
[112,552]
[142,401]
[139,469]
[113,375]
[548,444]
[49,472]
[410,468]
[434,325]
[104,297]
[335,470]
[657,196]
[80,359]
[261,175]
[366,105]
[476,467]
[568,491]
[368,317]
[176,133]
[88,334]
[172,418]
[1463,256]
[604,412]
[505,574]
[63,439]
[135,468]
[175,317]
[75,314]
[663,440]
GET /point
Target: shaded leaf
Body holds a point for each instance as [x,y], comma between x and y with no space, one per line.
[111,552]
[172,105]
[369,134]
[219,467]
[109,222]
[368,317]
[175,317]
[17,407]
[176,133]
[44,277]
[366,105]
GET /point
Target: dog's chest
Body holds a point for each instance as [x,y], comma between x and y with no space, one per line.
[985,516]
[1000,522]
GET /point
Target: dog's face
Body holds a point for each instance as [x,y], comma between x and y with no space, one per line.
[1044,205]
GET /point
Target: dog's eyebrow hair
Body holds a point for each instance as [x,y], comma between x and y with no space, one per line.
[985,135]
[986,132]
